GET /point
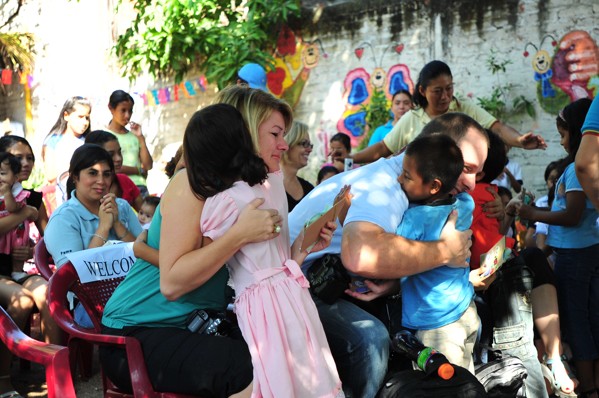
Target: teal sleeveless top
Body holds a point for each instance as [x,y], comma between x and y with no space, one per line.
[138,300]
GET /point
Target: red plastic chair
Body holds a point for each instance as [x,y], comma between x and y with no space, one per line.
[94,296]
[81,353]
[43,260]
[54,358]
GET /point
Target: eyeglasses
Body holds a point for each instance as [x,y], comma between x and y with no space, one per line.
[306,144]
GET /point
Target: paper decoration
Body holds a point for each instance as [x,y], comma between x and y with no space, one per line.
[7,77]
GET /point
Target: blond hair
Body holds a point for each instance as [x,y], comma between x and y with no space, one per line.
[255,106]
[298,133]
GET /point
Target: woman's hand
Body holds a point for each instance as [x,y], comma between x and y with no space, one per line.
[380,289]
[108,212]
[257,225]
[532,141]
[478,281]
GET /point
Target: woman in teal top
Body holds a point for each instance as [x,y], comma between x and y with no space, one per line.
[153,303]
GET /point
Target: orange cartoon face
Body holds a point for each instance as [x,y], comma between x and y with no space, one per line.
[377,79]
[310,55]
[541,62]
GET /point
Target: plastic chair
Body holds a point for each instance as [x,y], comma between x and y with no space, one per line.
[94,296]
[43,260]
[54,358]
[81,353]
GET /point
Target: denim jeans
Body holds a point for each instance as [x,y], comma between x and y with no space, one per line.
[577,272]
[509,299]
[359,343]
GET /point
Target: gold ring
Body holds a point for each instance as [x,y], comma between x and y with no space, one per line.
[277,229]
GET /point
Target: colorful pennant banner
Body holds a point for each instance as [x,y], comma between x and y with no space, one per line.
[174,93]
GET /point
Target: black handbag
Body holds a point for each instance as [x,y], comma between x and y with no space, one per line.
[328,278]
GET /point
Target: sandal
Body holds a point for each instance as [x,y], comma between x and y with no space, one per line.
[559,377]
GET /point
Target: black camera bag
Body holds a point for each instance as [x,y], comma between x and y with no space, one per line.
[328,278]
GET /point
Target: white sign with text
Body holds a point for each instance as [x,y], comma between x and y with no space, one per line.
[102,263]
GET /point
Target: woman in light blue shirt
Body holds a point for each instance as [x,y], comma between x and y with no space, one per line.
[92,215]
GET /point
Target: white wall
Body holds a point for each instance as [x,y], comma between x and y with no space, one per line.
[74,38]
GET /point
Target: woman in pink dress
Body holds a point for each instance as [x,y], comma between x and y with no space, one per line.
[276,314]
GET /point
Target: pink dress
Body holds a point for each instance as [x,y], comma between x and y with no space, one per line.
[278,319]
[18,236]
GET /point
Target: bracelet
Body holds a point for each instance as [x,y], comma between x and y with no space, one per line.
[122,237]
[99,236]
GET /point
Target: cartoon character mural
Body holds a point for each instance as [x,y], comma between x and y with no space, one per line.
[364,91]
[571,74]
[293,61]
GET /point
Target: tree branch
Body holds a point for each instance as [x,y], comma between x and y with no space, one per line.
[9,20]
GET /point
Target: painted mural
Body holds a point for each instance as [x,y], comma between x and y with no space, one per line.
[293,61]
[572,72]
[361,89]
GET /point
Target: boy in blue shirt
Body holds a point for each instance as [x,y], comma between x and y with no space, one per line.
[437,303]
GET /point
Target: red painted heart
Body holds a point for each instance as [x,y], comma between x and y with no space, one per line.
[399,48]
[359,52]
[274,81]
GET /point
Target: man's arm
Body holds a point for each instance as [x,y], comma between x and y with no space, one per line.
[369,251]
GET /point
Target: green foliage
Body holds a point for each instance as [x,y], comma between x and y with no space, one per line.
[377,114]
[169,38]
[497,102]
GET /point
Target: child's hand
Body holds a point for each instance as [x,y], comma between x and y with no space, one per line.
[477,280]
[136,129]
[326,235]
[32,213]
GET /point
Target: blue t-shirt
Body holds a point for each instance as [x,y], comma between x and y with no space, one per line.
[380,133]
[137,301]
[377,198]
[584,234]
[440,296]
[72,226]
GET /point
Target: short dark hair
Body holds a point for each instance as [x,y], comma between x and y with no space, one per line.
[454,125]
[86,156]
[100,137]
[13,162]
[218,151]
[343,139]
[324,171]
[496,158]
[437,156]
[153,201]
